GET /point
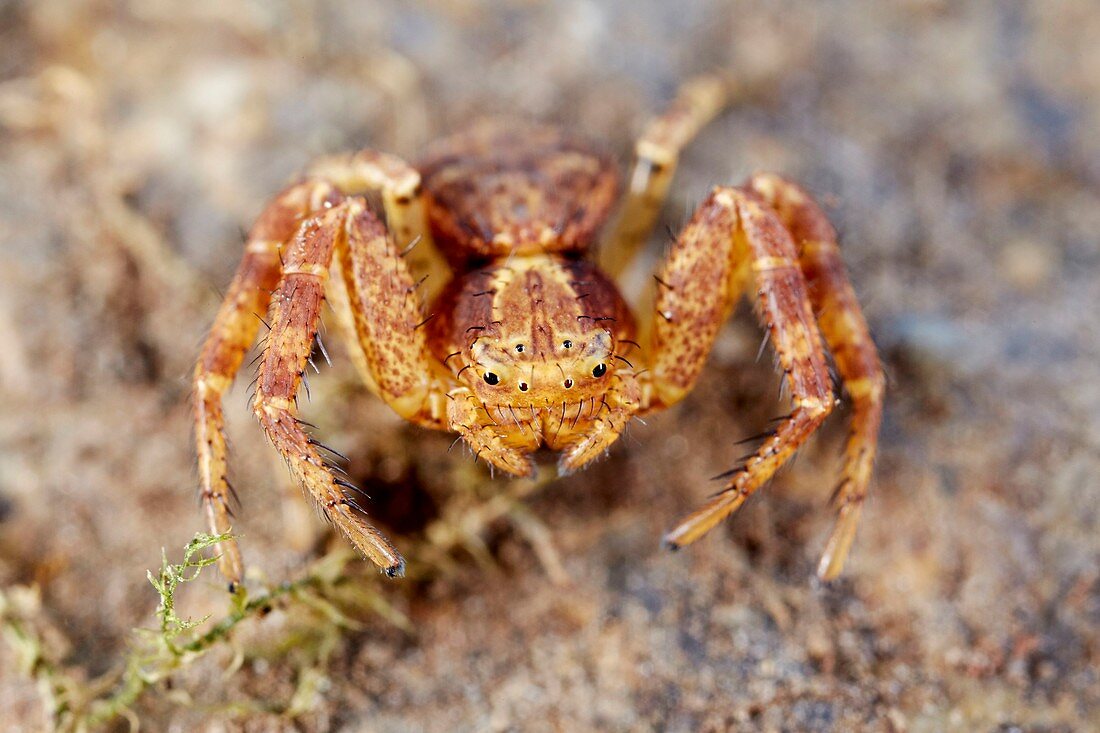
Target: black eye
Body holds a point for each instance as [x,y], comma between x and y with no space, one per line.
[599,371]
[491,378]
[519,348]
[567,344]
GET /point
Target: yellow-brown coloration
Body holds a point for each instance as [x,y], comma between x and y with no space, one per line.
[529,345]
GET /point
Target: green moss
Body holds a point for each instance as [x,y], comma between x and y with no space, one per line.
[321,607]
[179,641]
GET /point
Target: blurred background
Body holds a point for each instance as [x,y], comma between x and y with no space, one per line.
[956,145]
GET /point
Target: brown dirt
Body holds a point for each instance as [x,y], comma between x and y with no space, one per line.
[958,146]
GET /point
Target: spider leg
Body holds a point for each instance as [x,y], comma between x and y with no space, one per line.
[375,299]
[239,318]
[736,225]
[232,334]
[398,184]
[294,317]
[846,333]
[656,153]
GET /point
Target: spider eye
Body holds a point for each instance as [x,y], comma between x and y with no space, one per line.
[569,384]
[519,348]
[599,371]
[491,378]
[567,344]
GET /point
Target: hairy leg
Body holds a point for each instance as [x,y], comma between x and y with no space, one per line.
[735,226]
[846,333]
[697,286]
[239,318]
[231,336]
[295,314]
[386,316]
[656,153]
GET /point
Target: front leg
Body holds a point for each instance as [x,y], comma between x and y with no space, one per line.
[231,335]
[294,317]
[848,337]
[733,238]
[377,305]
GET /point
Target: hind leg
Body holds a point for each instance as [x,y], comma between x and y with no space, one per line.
[656,153]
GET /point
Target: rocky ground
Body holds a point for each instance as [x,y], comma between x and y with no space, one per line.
[956,145]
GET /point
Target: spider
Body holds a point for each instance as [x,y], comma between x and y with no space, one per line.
[530,344]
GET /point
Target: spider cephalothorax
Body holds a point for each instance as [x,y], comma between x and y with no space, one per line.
[537,341]
[530,344]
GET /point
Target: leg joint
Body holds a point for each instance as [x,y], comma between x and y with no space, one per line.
[210,383]
[814,407]
[268,406]
[311,269]
[870,387]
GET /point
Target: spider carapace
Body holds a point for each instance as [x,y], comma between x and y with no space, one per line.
[530,344]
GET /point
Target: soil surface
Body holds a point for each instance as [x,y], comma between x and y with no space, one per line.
[956,145]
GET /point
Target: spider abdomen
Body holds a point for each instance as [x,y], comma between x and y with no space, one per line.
[500,189]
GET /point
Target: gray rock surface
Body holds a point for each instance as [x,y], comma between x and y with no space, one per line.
[958,148]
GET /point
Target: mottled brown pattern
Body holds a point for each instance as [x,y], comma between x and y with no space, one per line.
[695,292]
[294,317]
[515,188]
[513,320]
[739,223]
[388,319]
[464,306]
[599,298]
[530,345]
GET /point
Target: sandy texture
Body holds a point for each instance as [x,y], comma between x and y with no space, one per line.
[958,148]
